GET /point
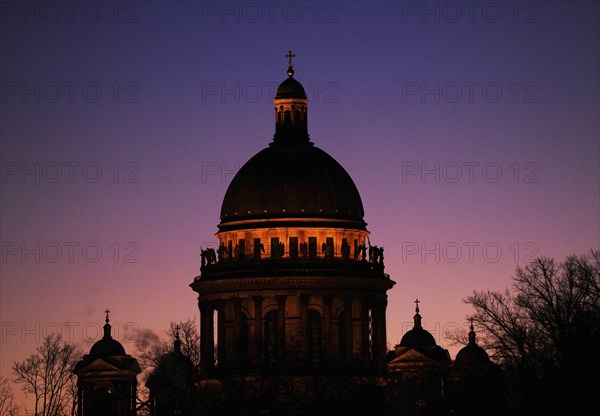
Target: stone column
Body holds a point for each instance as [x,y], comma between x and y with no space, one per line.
[365,341]
[281,327]
[383,331]
[237,330]
[379,338]
[304,336]
[349,331]
[221,331]
[328,335]
[207,342]
[258,330]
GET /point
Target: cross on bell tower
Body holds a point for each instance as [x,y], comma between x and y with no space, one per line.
[290,55]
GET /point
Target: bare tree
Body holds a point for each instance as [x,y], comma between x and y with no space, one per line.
[150,349]
[48,375]
[8,406]
[544,331]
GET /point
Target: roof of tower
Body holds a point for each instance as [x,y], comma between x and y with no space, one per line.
[418,336]
[300,181]
[472,353]
[290,88]
[292,177]
[107,346]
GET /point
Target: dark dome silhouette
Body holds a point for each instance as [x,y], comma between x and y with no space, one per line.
[417,337]
[174,370]
[107,347]
[283,181]
[472,353]
[290,88]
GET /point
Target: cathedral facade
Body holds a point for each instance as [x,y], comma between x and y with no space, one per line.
[295,286]
[293,308]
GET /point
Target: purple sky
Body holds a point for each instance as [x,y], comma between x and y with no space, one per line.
[471,133]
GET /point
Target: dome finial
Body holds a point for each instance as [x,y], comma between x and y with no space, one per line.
[107,327]
[417,316]
[177,342]
[472,334]
[290,70]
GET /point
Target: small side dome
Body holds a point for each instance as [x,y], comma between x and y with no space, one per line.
[472,353]
[417,337]
[107,346]
[290,88]
[174,370]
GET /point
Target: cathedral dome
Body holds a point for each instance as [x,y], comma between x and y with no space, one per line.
[292,178]
[298,181]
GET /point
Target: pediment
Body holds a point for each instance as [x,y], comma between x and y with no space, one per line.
[411,356]
[99,365]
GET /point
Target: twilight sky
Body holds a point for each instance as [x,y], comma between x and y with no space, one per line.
[470,129]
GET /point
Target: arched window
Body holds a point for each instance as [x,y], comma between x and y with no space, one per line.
[315,337]
[287,118]
[270,338]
